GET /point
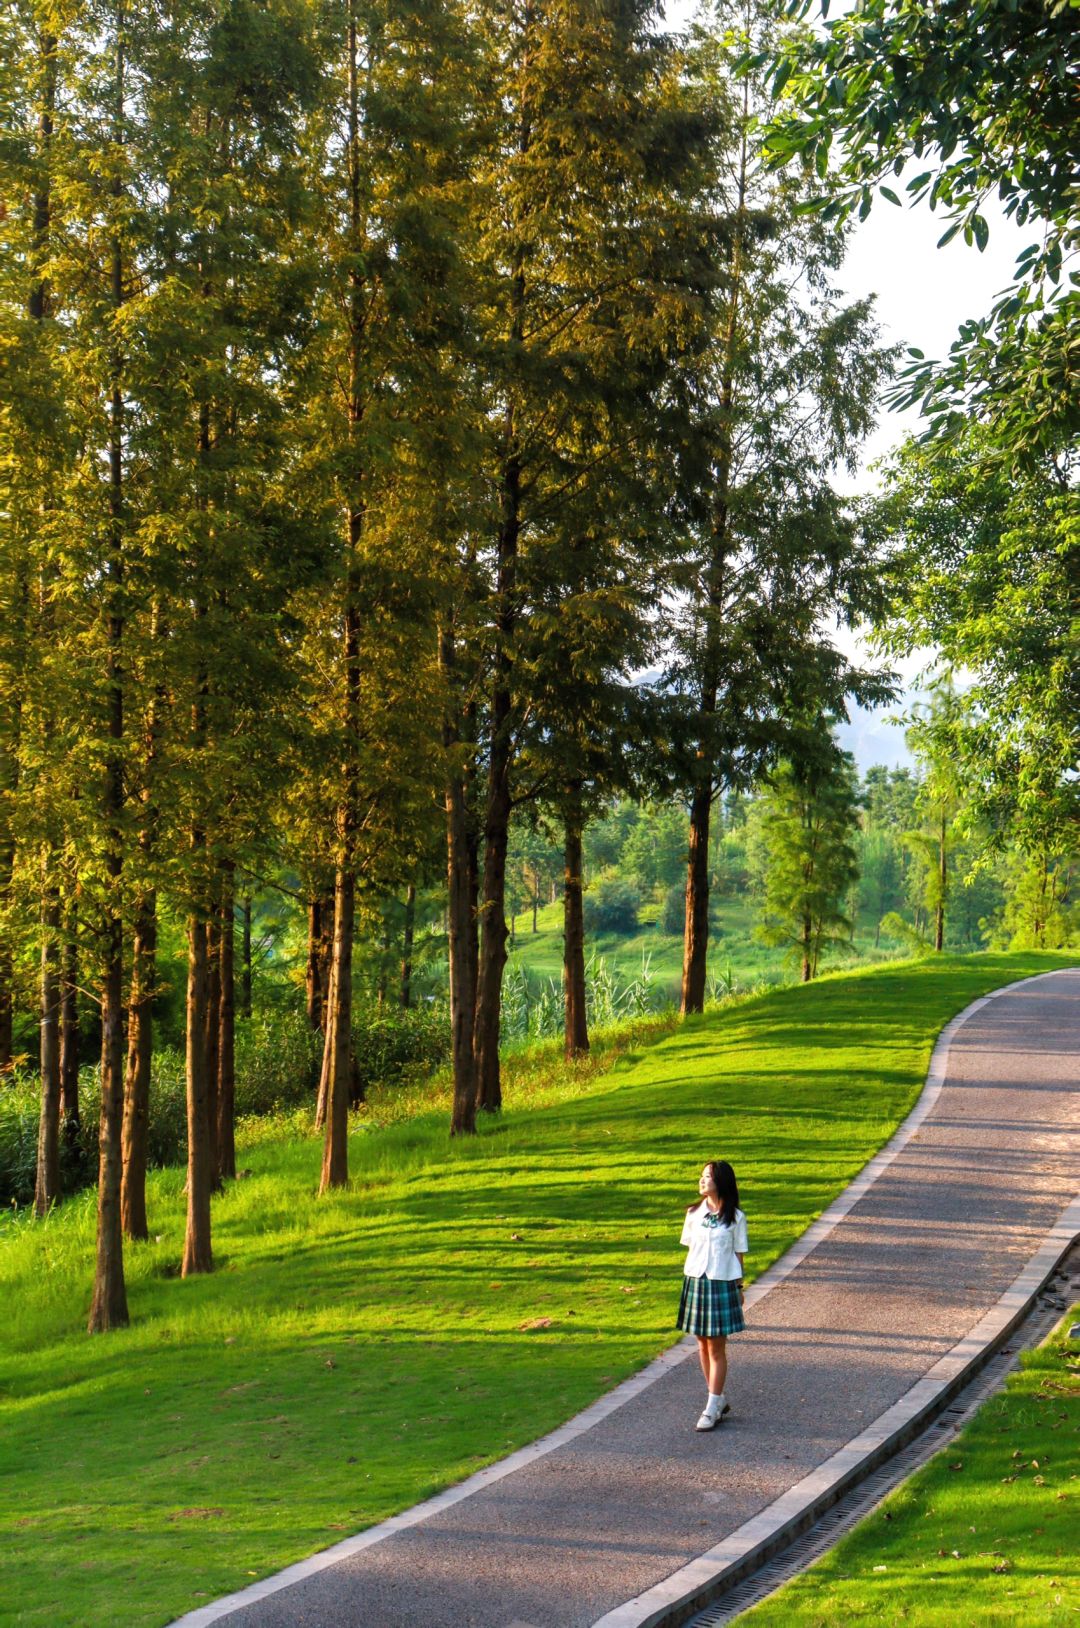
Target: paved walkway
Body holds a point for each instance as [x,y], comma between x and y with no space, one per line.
[927,1248]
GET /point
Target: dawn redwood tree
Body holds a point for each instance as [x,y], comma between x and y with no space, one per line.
[386,164]
[109,1303]
[940,798]
[809,821]
[593,238]
[785,391]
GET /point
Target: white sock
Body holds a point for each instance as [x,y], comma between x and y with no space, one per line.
[715,1402]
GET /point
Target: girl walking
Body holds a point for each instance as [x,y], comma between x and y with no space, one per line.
[714,1234]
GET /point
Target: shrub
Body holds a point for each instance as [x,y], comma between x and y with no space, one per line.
[673,914]
[392,1042]
[612,907]
[277,1061]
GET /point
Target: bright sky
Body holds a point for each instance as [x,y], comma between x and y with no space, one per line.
[923,293]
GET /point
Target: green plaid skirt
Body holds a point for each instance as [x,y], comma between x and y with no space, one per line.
[710,1306]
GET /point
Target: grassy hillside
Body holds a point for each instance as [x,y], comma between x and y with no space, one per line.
[732,948]
[353,1354]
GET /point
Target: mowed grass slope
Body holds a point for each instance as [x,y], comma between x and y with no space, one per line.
[988,1532]
[353,1354]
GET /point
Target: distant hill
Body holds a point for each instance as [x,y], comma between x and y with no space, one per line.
[871,738]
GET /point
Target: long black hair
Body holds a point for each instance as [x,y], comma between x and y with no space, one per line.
[727,1190]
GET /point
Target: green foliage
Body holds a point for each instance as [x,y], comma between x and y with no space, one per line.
[611,906]
[532,1008]
[1041,909]
[654,852]
[893,81]
[808,823]
[394,1043]
[673,913]
[986,567]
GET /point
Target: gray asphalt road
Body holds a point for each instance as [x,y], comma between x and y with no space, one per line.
[916,1263]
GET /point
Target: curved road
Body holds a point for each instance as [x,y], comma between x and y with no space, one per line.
[923,1254]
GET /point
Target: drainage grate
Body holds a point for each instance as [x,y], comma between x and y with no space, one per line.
[803,1550]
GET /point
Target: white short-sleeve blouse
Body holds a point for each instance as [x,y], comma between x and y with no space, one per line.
[712,1249]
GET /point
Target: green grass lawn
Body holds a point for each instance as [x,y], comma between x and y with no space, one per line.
[354,1354]
[732,947]
[987,1533]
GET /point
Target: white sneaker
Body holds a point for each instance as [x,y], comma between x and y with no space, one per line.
[708,1421]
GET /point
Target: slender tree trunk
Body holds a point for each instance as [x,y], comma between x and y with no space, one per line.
[245,961]
[108,1307]
[47,1184]
[335,1165]
[407,945]
[226,1122]
[212,1033]
[69,1027]
[696,939]
[696,935]
[384,965]
[136,1127]
[338,1048]
[535,904]
[461,913]
[136,1124]
[576,1029]
[493,930]
[492,957]
[312,980]
[198,1256]
[807,962]
[943,882]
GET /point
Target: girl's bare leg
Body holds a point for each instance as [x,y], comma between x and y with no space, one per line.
[703,1356]
[716,1373]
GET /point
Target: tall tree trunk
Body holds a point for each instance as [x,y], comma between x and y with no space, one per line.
[47,1184]
[943,882]
[492,957]
[136,1127]
[198,1256]
[384,965]
[807,961]
[407,945]
[108,1307]
[576,1028]
[461,895]
[313,989]
[226,1122]
[212,1032]
[69,1026]
[136,1124]
[338,1046]
[335,1165]
[245,959]
[493,930]
[696,935]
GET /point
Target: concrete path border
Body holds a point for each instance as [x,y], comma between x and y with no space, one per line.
[688,1590]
